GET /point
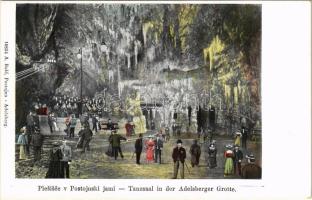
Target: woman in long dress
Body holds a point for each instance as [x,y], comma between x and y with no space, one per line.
[150,146]
[55,157]
[212,156]
[238,136]
[22,141]
[229,166]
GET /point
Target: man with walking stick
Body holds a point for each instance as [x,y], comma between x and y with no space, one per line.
[178,156]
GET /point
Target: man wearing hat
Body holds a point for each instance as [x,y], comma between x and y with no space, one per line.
[238,157]
[178,156]
[115,141]
[251,170]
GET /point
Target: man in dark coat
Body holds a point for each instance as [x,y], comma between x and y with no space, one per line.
[138,148]
[115,141]
[36,142]
[238,157]
[87,136]
[30,123]
[251,170]
[50,122]
[195,152]
[94,123]
[244,137]
[55,158]
[178,156]
[159,144]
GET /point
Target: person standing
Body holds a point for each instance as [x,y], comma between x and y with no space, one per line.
[212,155]
[158,148]
[67,123]
[178,156]
[54,119]
[115,140]
[55,157]
[212,117]
[109,151]
[94,123]
[72,126]
[138,148]
[87,136]
[128,128]
[238,157]
[30,123]
[22,142]
[238,136]
[251,170]
[65,162]
[36,142]
[229,166]
[195,152]
[244,137]
[50,123]
[150,147]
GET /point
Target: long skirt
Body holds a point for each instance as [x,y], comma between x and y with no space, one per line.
[212,162]
[54,170]
[237,141]
[22,152]
[229,167]
[149,154]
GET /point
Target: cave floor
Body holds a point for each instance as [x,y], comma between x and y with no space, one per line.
[95,164]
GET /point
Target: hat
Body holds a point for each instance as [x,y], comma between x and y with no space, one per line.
[238,133]
[23,129]
[55,144]
[150,136]
[179,141]
[236,145]
[251,157]
[229,146]
[212,146]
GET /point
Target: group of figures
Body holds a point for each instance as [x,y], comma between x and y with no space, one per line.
[234,155]
[27,139]
[60,157]
[233,164]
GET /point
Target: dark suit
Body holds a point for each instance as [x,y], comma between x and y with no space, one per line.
[158,148]
[138,149]
[238,156]
[244,137]
[37,141]
[115,141]
[178,156]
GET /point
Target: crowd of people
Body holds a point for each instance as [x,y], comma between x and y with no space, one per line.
[64,105]
[60,155]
